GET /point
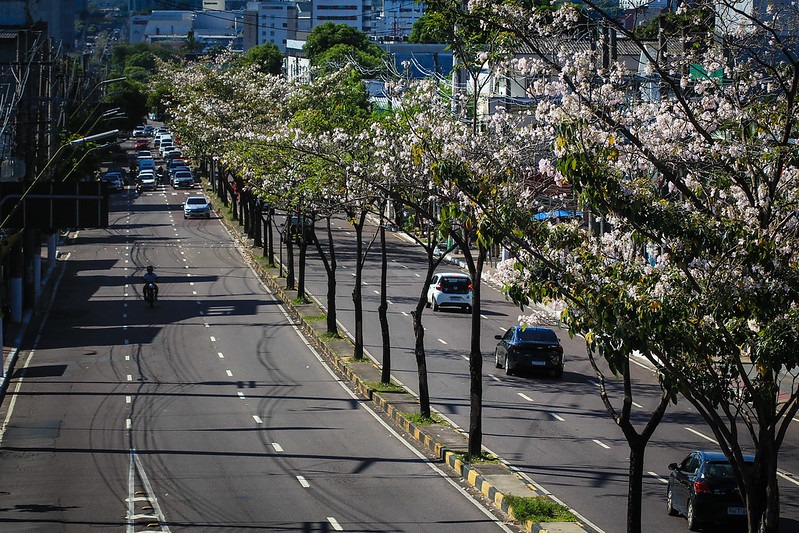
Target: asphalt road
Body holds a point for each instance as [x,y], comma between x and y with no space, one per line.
[208,412]
[557,432]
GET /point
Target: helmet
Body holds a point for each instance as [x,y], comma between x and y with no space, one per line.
[150,269]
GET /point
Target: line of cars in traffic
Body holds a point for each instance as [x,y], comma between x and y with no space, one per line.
[175,169]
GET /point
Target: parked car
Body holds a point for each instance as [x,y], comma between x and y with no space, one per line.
[529,348]
[702,488]
[450,289]
[182,178]
[196,207]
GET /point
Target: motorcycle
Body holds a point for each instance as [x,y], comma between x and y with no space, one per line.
[149,293]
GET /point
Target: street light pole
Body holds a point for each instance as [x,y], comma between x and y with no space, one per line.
[98,85]
[73,143]
[90,150]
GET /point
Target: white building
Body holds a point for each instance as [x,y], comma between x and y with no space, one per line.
[395,18]
[270,21]
[355,13]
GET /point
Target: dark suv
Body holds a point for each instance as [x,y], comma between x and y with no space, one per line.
[702,488]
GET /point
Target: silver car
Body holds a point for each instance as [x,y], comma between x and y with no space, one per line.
[196,207]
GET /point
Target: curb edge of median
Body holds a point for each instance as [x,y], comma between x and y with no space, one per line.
[450,457]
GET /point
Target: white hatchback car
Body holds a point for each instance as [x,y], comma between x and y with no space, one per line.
[450,289]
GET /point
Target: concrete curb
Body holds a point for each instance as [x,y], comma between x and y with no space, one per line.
[495,481]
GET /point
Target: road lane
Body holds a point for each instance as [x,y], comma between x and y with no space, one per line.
[209,406]
[563,457]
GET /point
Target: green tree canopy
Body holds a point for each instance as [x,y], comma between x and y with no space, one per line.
[346,40]
[266,57]
[431,27]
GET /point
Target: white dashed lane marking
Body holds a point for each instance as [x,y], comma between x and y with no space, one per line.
[303,482]
[602,444]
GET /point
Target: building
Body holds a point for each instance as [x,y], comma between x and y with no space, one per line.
[394,19]
[210,29]
[58,15]
[272,21]
[355,13]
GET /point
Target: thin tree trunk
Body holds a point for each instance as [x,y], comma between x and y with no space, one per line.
[357,293]
[385,375]
[476,364]
[289,258]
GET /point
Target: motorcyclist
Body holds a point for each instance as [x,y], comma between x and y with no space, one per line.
[151,277]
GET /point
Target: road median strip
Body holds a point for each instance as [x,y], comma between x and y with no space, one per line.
[495,480]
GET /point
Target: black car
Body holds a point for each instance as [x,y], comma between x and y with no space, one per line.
[529,348]
[703,489]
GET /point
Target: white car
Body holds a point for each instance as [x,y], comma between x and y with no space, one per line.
[450,289]
[196,207]
[147,180]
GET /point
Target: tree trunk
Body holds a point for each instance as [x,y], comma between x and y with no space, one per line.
[357,296]
[421,358]
[635,483]
[270,216]
[476,362]
[301,277]
[385,375]
[289,258]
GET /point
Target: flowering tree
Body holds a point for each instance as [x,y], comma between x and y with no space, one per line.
[689,164]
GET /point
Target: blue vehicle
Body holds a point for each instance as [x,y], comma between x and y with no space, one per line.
[703,489]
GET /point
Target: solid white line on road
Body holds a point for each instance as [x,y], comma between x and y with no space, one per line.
[128,399]
[698,434]
[335,524]
[661,479]
[241,395]
[442,341]
[556,417]
[303,482]
[278,448]
[128,423]
[229,373]
[130,378]
[524,396]
[787,476]
[220,354]
[495,378]
[638,405]
[257,419]
[602,444]
[213,339]
[125,327]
